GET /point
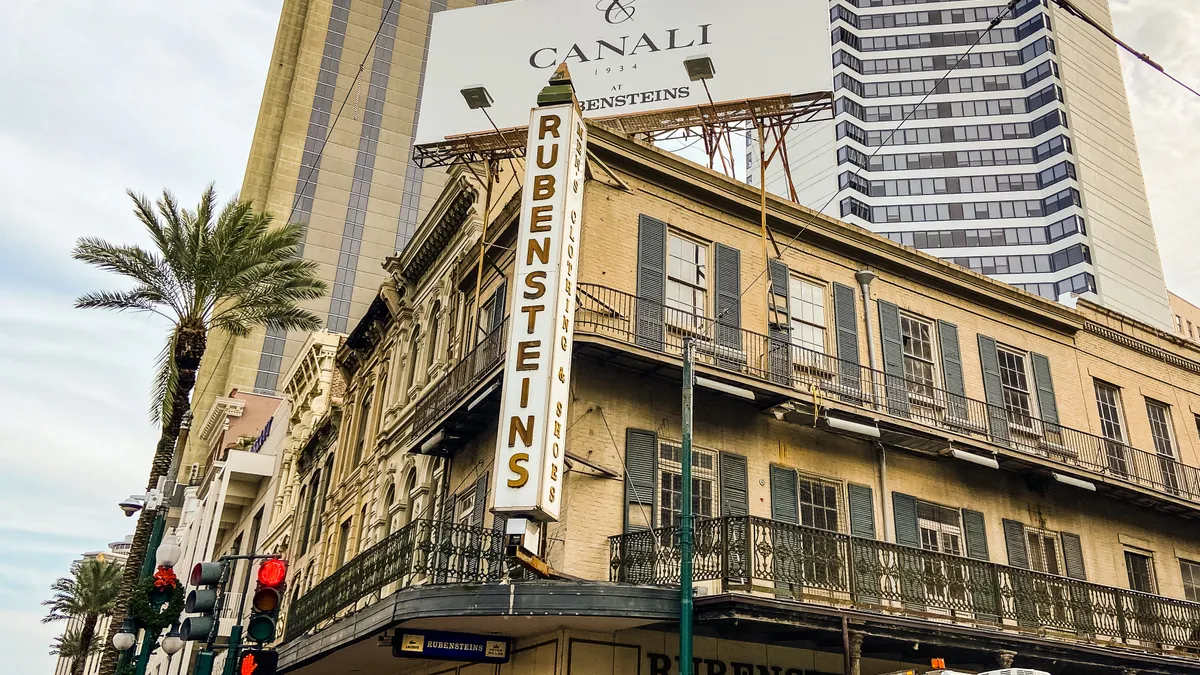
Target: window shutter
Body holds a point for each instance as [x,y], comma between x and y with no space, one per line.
[499,306]
[893,358]
[785,506]
[779,353]
[952,371]
[480,506]
[976,534]
[651,281]
[728,306]
[735,500]
[989,360]
[862,511]
[1047,403]
[1014,541]
[905,509]
[1072,549]
[846,319]
[641,465]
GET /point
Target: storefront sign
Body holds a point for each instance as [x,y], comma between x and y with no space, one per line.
[428,644]
[530,445]
[661,664]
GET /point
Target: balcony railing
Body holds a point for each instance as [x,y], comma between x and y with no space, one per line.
[791,561]
[423,552]
[628,318]
[467,373]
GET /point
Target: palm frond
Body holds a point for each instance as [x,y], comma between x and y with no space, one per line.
[146,268]
[166,380]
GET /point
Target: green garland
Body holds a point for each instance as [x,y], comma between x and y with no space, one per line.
[150,613]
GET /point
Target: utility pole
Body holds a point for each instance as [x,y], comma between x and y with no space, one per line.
[685,518]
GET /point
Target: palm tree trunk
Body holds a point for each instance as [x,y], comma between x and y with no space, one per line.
[190,342]
[87,633]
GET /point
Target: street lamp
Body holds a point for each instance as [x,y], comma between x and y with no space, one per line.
[169,552]
[125,639]
[172,642]
[699,68]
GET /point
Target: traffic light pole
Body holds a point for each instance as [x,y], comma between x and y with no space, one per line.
[686,515]
[234,650]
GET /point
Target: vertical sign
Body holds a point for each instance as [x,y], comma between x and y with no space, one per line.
[537,373]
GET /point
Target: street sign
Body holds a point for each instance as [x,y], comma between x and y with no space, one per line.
[443,646]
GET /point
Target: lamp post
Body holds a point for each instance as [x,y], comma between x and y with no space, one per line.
[685,516]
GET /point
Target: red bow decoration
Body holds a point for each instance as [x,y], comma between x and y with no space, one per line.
[165,579]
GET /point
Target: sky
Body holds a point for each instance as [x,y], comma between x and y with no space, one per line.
[97,97]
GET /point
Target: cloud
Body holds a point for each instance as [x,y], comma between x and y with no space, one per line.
[101,97]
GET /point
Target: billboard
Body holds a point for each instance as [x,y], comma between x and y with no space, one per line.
[625,56]
[531,444]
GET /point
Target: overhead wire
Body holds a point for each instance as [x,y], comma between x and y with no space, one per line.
[787,246]
[1071,9]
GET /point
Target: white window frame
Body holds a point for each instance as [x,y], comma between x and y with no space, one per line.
[839,487]
[1018,420]
[1194,573]
[928,398]
[1149,556]
[699,473]
[676,318]
[796,304]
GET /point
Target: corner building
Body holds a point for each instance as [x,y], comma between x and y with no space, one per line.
[938,466]
[1021,164]
[358,194]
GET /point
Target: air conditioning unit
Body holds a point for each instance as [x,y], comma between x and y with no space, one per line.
[700,590]
[1015,671]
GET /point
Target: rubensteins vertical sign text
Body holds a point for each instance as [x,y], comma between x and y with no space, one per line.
[531,442]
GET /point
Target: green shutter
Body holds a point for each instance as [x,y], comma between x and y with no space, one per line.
[993,390]
[952,371]
[779,337]
[904,508]
[735,500]
[641,467]
[1072,549]
[862,511]
[499,306]
[651,281]
[893,358]
[728,306]
[785,506]
[480,507]
[1047,404]
[845,318]
[975,533]
[1014,541]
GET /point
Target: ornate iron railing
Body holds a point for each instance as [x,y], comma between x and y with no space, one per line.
[423,552]
[755,554]
[622,316]
[462,377]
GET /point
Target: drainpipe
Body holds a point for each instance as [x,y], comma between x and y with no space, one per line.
[864,278]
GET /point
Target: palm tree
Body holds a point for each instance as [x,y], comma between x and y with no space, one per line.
[230,271]
[90,593]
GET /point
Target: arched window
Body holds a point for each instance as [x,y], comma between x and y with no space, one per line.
[414,355]
[389,500]
[435,317]
[410,484]
[364,428]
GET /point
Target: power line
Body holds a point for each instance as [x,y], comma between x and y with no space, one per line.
[1071,9]
[787,246]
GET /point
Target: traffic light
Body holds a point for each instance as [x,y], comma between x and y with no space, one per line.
[258,662]
[202,600]
[268,597]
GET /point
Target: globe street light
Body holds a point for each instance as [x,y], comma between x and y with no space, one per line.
[125,639]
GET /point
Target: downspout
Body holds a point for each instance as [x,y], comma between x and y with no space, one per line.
[864,278]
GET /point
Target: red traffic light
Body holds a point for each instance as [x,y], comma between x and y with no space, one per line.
[272,572]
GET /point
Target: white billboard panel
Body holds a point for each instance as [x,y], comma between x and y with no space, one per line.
[625,56]
[531,444]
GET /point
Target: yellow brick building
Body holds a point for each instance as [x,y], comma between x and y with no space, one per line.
[903,461]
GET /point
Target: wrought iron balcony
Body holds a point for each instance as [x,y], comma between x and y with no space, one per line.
[791,561]
[627,318]
[464,376]
[424,552]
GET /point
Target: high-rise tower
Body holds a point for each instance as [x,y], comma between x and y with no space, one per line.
[358,193]
[1021,164]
